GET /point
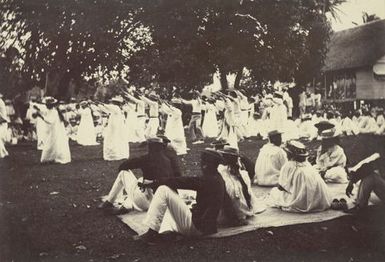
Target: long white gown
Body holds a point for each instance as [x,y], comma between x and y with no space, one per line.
[130,122]
[305,189]
[115,145]
[86,134]
[174,129]
[270,160]
[210,122]
[56,147]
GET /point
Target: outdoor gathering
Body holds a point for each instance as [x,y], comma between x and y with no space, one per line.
[165,130]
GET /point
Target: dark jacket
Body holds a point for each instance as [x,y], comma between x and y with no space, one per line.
[153,166]
[209,200]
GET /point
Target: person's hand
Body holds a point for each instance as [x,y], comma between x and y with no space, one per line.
[349,189]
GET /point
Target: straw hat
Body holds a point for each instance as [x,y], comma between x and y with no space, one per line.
[117,99]
[296,148]
[229,150]
[328,134]
[49,100]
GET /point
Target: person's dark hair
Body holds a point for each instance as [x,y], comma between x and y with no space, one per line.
[276,139]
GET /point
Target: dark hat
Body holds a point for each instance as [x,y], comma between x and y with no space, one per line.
[229,150]
[296,148]
[278,94]
[165,139]
[219,143]
[155,140]
[324,125]
[274,133]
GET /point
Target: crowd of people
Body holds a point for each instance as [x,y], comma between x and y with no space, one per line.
[224,190]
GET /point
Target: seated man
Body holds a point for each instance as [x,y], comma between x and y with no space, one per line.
[202,218]
[246,163]
[307,130]
[270,160]
[331,158]
[372,180]
[238,186]
[300,188]
[156,164]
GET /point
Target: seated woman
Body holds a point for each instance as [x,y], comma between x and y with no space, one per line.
[331,158]
[202,218]
[300,189]
[238,185]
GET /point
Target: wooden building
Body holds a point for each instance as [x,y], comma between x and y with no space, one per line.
[354,68]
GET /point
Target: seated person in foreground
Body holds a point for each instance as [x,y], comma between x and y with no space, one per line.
[202,218]
[372,180]
[270,160]
[246,163]
[243,202]
[331,158]
[157,163]
[300,189]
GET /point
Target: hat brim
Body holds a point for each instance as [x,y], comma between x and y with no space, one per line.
[296,154]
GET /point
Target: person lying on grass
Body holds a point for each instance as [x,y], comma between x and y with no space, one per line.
[372,180]
[157,163]
[202,218]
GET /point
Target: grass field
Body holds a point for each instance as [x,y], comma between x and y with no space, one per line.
[48,213]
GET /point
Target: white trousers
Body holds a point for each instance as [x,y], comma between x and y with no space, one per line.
[136,199]
[180,214]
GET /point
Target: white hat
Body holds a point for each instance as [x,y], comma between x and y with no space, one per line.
[118,99]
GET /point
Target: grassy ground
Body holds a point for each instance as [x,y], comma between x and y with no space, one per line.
[48,213]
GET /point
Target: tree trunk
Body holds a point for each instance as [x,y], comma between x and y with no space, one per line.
[223,79]
[238,78]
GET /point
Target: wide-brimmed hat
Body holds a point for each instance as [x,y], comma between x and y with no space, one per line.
[211,155]
[165,139]
[153,96]
[155,140]
[269,96]
[229,150]
[83,103]
[117,99]
[274,132]
[329,134]
[219,143]
[324,125]
[49,100]
[306,117]
[296,148]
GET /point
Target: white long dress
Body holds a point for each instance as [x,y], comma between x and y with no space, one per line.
[270,160]
[115,145]
[41,127]
[210,122]
[86,134]
[56,147]
[130,122]
[305,191]
[174,130]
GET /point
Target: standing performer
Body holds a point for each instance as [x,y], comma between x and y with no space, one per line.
[140,116]
[153,122]
[3,127]
[56,148]
[194,127]
[210,122]
[86,134]
[115,146]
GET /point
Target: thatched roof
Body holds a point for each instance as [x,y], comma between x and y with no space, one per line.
[356,47]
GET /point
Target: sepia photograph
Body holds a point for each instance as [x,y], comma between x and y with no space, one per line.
[192,130]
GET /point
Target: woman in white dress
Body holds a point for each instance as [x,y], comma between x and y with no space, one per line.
[115,145]
[174,128]
[301,188]
[130,121]
[86,134]
[56,148]
[210,122]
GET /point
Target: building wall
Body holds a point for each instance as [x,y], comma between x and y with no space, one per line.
[367,86]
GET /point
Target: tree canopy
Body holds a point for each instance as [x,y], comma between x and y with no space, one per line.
[170,42]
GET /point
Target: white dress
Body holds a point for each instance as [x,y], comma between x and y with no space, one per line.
[305,191]
[86,134]
[115,145]
[210,122]
[174,129]
[3,134]
[270,160]
[130,122]
[56,147]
